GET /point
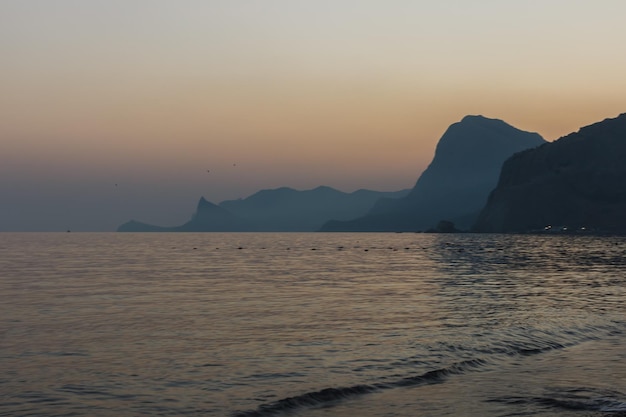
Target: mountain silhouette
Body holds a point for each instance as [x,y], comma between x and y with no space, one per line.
[456,184]
[207,218]
[277,210]
[577,182]
[286,209]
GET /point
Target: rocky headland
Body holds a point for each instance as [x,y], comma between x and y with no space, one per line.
[456,184]
[576,183]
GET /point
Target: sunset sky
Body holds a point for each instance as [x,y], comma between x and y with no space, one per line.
[115,110]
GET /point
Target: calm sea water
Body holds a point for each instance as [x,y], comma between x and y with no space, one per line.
[311,325]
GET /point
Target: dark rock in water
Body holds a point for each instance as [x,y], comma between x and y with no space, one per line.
[444,226]
[575,183]
[457,182]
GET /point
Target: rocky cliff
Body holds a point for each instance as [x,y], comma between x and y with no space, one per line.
[455,185]
[577,182]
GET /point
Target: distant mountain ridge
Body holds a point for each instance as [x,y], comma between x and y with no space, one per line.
[575,182]
[277,210]
[456,184]
[454,188]
[286,209]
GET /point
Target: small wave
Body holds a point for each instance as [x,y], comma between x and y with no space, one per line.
[330,395]
[310,399]
[522,343]
[577,399]
[439,375]
[265,376]
[527,341]
[51,353]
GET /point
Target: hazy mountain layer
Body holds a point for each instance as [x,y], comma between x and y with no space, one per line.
[278,210]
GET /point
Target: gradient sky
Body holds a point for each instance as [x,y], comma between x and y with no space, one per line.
[150,94]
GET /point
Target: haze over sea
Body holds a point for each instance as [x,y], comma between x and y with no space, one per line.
[373,325]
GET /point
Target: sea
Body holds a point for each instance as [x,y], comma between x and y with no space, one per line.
[312,324]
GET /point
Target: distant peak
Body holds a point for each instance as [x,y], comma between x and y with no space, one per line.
[204,204]
[482,122]
[323,188]
[473,116]
[276,190]
[470,118]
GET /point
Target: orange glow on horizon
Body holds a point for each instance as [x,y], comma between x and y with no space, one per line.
[351,94]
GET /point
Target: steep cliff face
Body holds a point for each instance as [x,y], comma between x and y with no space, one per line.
[578,181]
[455,186]
[213,218]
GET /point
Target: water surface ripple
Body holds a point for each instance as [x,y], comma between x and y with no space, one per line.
[342,324]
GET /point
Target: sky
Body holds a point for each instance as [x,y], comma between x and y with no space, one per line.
[134,109]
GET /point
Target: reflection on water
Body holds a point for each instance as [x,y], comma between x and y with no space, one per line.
[315,324]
